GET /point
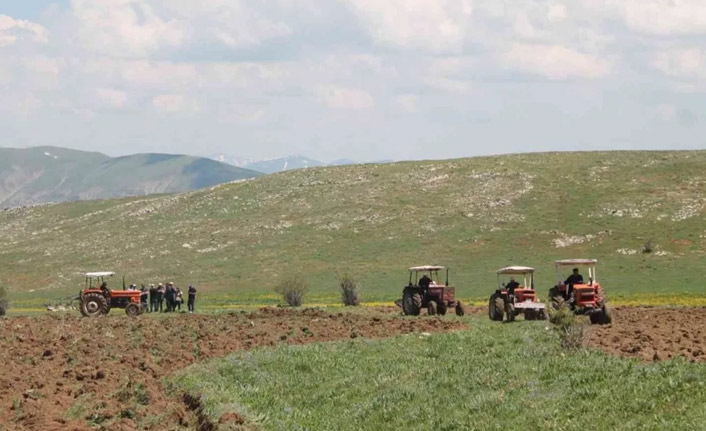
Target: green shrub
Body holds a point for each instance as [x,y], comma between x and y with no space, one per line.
[292,288]
[349,290]
[4,300]
[573,333]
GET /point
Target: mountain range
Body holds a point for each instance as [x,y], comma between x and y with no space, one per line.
[49,174]
[282,164]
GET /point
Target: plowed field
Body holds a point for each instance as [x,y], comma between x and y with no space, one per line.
[654,334]
[63,372]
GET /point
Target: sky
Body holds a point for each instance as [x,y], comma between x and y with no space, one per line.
[359,79]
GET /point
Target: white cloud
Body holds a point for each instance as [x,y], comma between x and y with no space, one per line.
[344,98]
[408,102]
[138,28]
[682,63]
[557,12]
[175,103]
[662,17]
[555,62]
[111,98]
[128,28]
[12,30]
[433,25]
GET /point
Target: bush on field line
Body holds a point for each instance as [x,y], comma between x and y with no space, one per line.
[573,333]
[349,290]
[292,288]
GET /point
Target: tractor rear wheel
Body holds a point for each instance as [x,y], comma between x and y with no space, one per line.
[460,310]
[411,302]
[133,309]
[94,304]
[432,308]
[496,307]
[510,311]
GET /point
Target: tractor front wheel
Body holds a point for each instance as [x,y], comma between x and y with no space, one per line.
[607,314]
[411,302]
[442,308]
[133,309]
[94,304]
[530,315]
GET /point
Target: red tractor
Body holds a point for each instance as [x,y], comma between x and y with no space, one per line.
[513,298]
[96,299]
[425,290]
[585,298]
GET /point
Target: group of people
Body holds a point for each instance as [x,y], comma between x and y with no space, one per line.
[165,297]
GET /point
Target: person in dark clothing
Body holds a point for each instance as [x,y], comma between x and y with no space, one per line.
[105,290]
[192,298]
[144,296]
[153,298]
[512,285]
[574,278]
[169,296]
[424,282]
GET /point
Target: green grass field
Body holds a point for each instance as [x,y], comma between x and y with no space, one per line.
[475,215]
[490,377]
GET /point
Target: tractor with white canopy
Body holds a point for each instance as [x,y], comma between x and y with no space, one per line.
[515,295]
[97,298]
[584,297]
[426,290]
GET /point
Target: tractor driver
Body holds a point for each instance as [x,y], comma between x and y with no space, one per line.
[574,278]
[512,285]
[104,288]
[424,282]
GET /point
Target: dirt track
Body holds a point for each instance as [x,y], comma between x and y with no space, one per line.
[67,373]
[654,334]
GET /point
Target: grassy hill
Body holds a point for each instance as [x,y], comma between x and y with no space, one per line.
[235,241]
[49,174]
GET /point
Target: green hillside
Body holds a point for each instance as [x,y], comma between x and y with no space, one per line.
[235,241]
[49,174]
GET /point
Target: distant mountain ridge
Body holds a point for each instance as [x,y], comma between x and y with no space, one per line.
[40,175]
[281,164]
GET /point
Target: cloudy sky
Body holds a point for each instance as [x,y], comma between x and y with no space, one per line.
[363,79]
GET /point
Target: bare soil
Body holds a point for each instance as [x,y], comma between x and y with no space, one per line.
[654,334]
[63,372]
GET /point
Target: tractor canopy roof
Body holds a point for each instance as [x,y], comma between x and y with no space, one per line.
[100,274]
[516,270]
[426,268]
[575,262]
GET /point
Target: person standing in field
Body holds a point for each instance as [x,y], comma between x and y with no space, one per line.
[178,299]
[171,296]
[144,296]
[153,298]
[160,296]
[192,298]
